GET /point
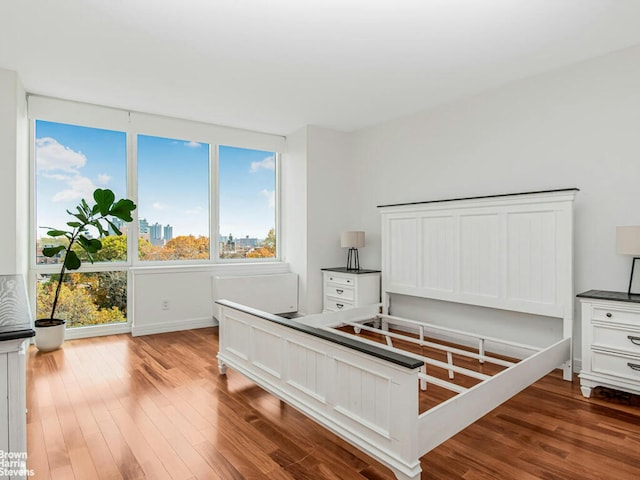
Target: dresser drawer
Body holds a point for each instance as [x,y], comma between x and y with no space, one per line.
[341,292]
[618,365]
[615,315]
[616,338]
[338,280]
[335,305]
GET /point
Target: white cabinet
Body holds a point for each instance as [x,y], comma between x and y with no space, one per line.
[15,330]
[610,341]
[344,289]
[13,420]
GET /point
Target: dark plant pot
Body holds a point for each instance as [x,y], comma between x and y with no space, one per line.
[49,333]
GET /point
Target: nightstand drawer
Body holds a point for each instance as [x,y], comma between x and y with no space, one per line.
[616,338]
[343,293]
[615,315]
[335,305]
[346,281]
[618,365]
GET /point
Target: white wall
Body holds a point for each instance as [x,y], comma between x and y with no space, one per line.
[574,127]
[293,213]
[14,181]
[187,291]
[330,177]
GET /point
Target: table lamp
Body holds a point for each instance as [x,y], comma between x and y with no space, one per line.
[628,243]
[352,241]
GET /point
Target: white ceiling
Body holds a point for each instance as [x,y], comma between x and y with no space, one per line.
[276,65]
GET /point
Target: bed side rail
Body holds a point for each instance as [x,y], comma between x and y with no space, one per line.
[448,418]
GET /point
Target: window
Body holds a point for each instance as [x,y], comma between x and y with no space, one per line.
[173,199]
[86,299]
[247,203]
[71,162]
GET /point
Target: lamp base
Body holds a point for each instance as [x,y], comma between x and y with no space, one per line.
[353,262]
[633,265]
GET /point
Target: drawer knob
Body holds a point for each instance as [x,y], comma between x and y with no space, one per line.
[330,278]
[339,291]
[634,366]
[609,315]
[348,281]
[634,340]
[339,305]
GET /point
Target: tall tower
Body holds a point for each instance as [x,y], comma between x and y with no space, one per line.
[168,232]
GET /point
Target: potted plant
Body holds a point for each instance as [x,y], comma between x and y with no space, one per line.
[50,331]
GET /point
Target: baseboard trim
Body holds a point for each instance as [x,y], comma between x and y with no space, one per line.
[96,331]
[173,326]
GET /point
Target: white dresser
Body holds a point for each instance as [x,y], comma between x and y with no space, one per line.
[610,341]
[344,289]
[15,331]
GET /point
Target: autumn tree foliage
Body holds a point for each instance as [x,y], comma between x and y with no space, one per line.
[183,247]
[267,249]
[77,301]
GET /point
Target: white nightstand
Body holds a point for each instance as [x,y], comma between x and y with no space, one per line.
[610,341]
[344,289]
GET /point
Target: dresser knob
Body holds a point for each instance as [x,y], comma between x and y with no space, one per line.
[339,305]
[634,340]
[609,315]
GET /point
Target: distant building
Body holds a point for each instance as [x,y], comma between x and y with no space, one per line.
[168,232]
[155,234]
[143,225]
[119,224]
[247,242]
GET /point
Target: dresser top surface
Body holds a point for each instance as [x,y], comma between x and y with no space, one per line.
[346,270]
[609,295]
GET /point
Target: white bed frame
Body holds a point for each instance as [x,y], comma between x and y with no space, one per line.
[510,252]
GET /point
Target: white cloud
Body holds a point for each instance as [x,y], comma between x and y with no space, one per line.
[79,187]
[159,206]
[270,195]
[103,179]
[268,163]
[194,211]
[56,176]
[51,155]
[192,144]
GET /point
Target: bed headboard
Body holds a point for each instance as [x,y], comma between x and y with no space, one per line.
[511,252]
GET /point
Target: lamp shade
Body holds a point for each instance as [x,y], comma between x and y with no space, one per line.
[628,240]
[352,239]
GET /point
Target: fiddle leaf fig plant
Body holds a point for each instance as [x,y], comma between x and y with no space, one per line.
[85,216]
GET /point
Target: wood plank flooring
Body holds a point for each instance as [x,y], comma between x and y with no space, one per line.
[155,407]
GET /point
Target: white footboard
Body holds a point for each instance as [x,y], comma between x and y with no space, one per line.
[369,399]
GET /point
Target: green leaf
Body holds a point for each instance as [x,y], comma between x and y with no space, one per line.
[92,245]
[114,227]
[71,261]
[101,230]
[74,224]
[80,216]
[122,209]
[104,199]
[52,251]
[56,233]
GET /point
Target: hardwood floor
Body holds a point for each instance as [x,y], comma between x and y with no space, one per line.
[155,407]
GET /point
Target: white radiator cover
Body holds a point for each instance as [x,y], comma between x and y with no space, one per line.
[277,293]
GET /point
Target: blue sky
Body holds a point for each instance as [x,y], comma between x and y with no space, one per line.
[173,179]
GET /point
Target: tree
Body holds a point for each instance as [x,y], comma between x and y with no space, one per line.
[267,249]
[114,247]
[75,302]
